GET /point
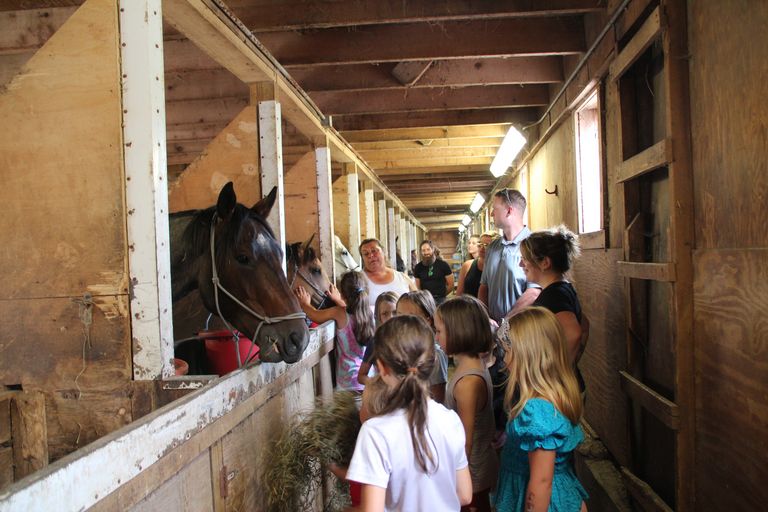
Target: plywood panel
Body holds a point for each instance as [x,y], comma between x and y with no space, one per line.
[600,292]
[729,61]
[233,155]
[731,340]
[59,149]
[301,219]
[554,165]
[190,490]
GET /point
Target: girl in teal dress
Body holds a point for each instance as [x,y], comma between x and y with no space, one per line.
[536,470]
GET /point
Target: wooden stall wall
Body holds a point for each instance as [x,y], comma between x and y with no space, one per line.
[65,329]
[728,65]
[596,279]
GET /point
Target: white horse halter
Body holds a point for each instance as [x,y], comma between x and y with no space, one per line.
[264,319]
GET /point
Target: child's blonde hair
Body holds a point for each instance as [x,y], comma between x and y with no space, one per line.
[405,345]
[467,327]
[537,359]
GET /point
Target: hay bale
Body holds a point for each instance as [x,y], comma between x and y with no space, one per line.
[299,458]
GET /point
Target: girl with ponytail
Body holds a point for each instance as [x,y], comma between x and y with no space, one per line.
[410,451]
[354,326]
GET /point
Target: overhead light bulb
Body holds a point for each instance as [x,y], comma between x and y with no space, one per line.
[466,219]
[477,203]
[511,145]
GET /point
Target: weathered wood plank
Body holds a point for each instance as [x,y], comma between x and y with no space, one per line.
[643,270]
[658,155]
[642,493]
[666,411]
[30,436]
[644,37]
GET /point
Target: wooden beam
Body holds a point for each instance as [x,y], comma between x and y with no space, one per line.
[445,169]
[379,155]
[442,199]
[649,31]
[518,116]
[643,494]
[651,271]
[440,218]
[431,186]
[28,29]
[658,155]
[443,73]
[414,41]
[447,226]
[378,101]
[29,433]
[267,16]
[469,142]
[408,73]
[430,162]
[427,133]
[664,410]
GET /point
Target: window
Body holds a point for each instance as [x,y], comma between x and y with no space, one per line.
[588,175]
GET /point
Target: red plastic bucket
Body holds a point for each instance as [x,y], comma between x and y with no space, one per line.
[220,350]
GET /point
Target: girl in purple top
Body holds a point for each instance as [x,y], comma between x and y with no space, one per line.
[354,326]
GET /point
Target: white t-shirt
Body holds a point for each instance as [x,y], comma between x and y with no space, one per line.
[399,284]
[384,457]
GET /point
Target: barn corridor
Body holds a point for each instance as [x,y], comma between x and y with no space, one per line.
[638,124]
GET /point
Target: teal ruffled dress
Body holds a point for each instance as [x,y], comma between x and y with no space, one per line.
[539,425]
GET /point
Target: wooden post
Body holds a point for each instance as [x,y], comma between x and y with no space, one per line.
[271,154]
[369,212]
[325,208]
[383,230]
[29,433]
[146,191]
[391,234]
[353,216]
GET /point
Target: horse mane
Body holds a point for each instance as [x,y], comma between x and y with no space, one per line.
[196,235]
[295,253]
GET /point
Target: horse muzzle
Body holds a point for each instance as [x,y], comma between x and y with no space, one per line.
[283,341]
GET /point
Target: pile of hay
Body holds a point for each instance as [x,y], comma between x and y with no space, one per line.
[299,458]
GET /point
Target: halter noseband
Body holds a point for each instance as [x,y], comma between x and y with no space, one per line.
[264,319]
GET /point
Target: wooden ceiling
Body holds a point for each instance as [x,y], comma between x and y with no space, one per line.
[423,90]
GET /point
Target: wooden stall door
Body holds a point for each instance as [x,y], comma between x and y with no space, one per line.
[652,85]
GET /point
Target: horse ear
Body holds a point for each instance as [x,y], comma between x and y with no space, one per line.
[226,202]
[309,241]
[264,206]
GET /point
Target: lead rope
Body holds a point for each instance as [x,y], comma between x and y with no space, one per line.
[264,319]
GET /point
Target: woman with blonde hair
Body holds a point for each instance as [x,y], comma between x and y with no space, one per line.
[472,270]
[544,404]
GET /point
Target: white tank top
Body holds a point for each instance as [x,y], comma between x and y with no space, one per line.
[399,284]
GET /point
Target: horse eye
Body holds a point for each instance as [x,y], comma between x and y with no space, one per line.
[242,258]
[316,271]
[344,253]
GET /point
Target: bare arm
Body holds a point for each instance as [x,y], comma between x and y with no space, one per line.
[572,330]
[411,286]
[362,373]
[338,314]
[464,486]
[418,283]
[462,275]
[372,498]
[470,395]
[449,283]
[438,392]
[482,294]
[584,336]
[539,491]
[525,300]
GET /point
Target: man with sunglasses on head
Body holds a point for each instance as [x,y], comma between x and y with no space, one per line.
[503,286]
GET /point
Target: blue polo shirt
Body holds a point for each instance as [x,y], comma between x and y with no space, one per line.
[503,275]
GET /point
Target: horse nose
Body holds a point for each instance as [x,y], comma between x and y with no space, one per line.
[294,345]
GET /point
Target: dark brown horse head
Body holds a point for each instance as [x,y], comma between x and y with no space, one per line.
[305,269]
[248,263]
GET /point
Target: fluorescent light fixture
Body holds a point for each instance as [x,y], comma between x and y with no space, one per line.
[477,203]
[511,145]
[466,219]
[461,228]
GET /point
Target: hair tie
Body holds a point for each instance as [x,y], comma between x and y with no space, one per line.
[412,369]
[359,290]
